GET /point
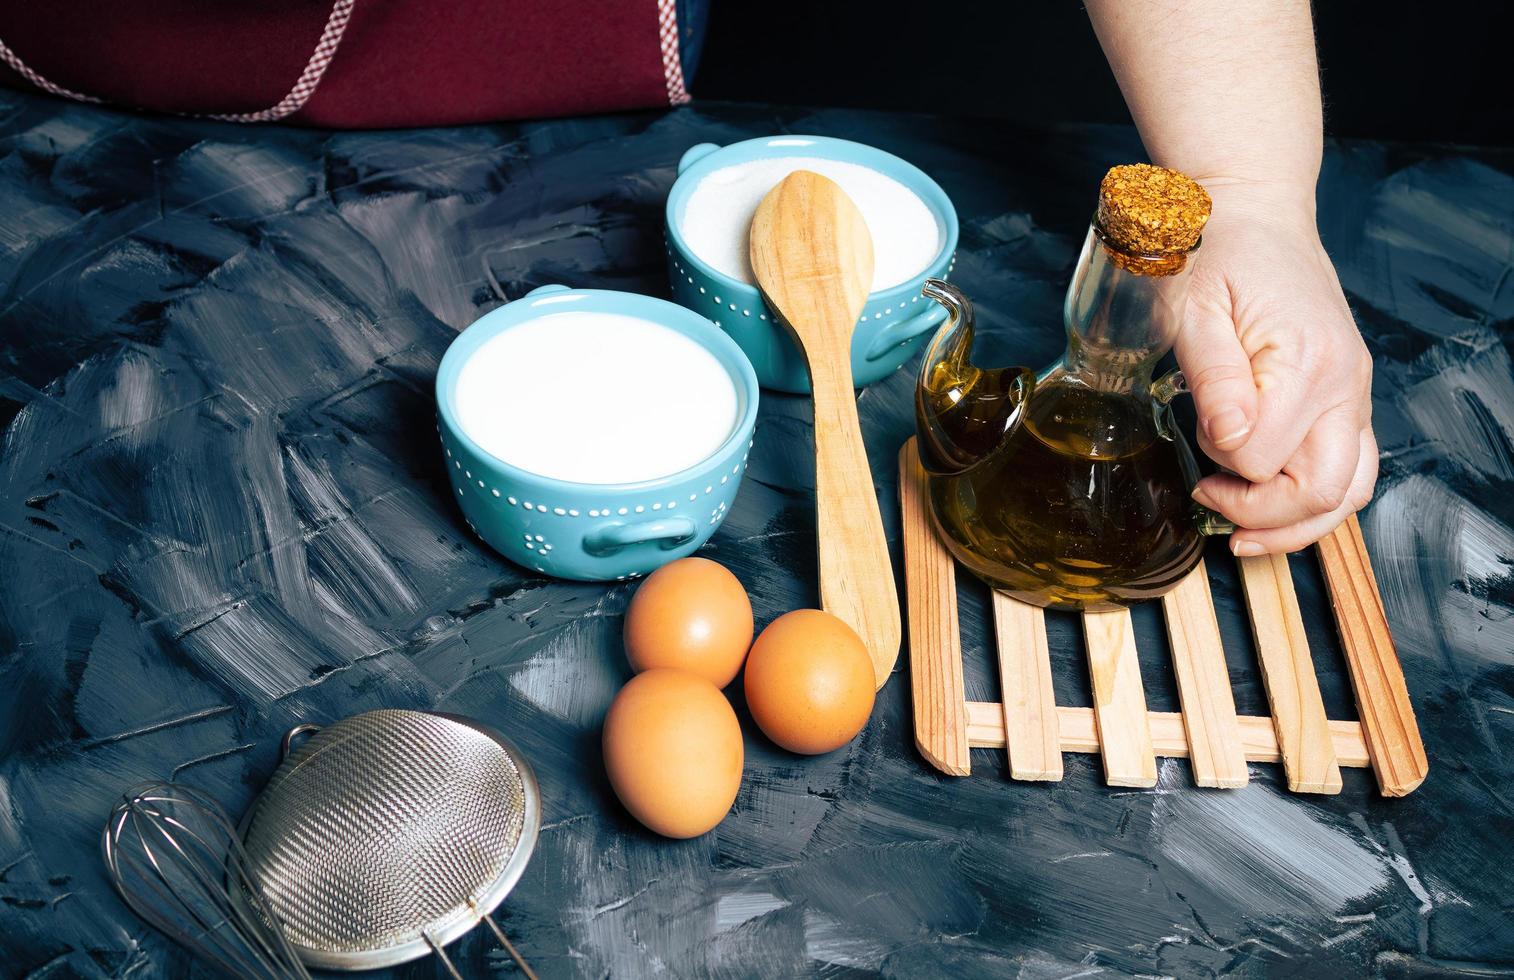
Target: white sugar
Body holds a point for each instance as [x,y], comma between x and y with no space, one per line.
[718,216]
[596,398]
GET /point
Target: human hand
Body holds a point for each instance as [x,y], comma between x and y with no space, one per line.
[1280,377]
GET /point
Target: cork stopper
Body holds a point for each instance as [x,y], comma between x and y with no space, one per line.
[1146,210]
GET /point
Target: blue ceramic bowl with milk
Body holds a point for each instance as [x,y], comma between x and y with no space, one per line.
[587,529]
[893,324]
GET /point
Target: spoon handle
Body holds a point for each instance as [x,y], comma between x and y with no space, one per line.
[856,576]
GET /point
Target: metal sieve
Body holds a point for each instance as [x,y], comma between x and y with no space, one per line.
[389,834]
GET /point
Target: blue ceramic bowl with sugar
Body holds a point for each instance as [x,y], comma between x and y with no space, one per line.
[592,531]
[895,321]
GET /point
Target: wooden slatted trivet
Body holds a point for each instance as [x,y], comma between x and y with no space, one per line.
[1217,742]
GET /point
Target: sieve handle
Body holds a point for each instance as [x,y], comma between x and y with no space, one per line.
[291,735]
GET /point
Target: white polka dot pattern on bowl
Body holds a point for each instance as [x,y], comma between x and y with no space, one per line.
[533,519]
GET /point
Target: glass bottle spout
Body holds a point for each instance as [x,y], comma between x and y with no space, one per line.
[963,412]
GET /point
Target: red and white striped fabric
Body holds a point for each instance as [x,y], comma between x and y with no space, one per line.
[373,63]
[672,60]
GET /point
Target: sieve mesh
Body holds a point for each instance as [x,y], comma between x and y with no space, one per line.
[386,827]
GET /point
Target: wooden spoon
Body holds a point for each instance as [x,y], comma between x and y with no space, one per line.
[813,257]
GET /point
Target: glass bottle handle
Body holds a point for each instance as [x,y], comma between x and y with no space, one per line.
[1164,390]
[1169,386]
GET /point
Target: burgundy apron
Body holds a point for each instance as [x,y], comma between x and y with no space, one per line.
[354,63]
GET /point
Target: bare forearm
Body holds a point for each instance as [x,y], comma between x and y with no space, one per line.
[1228,92]
[1224,90]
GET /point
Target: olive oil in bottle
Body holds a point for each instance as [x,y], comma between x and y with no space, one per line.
[1071,487]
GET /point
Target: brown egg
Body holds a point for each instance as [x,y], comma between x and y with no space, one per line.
[673,751]
[809,682]
[692,614]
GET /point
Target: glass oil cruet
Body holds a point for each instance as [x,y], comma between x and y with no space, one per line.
[1071,487]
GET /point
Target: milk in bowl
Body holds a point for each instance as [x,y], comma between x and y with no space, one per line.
[592,434]
[596,398]
[708,221]
[719,213]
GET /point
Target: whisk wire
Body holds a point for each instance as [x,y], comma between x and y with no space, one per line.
[142,873]
[210,892]
[178,863]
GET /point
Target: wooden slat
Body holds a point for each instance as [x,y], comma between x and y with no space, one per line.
[1030,705]
[935,644]
[1119,701]
[1298,711]
[1382,696]
[1169,737]
[1198,657]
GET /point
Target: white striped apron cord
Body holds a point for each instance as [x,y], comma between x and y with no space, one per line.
[304,86]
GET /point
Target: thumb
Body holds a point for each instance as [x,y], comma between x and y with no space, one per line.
[1218,372]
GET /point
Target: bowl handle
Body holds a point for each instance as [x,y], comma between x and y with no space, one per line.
[609,538]
[547,290]
[906,330]
[694,154]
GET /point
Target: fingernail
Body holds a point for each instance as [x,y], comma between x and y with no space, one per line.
[1246,549]
[1202,498]
[1226,426]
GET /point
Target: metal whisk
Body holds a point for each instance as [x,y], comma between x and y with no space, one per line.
[177,861]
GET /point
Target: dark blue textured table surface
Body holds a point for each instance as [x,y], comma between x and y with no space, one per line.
[222,513]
